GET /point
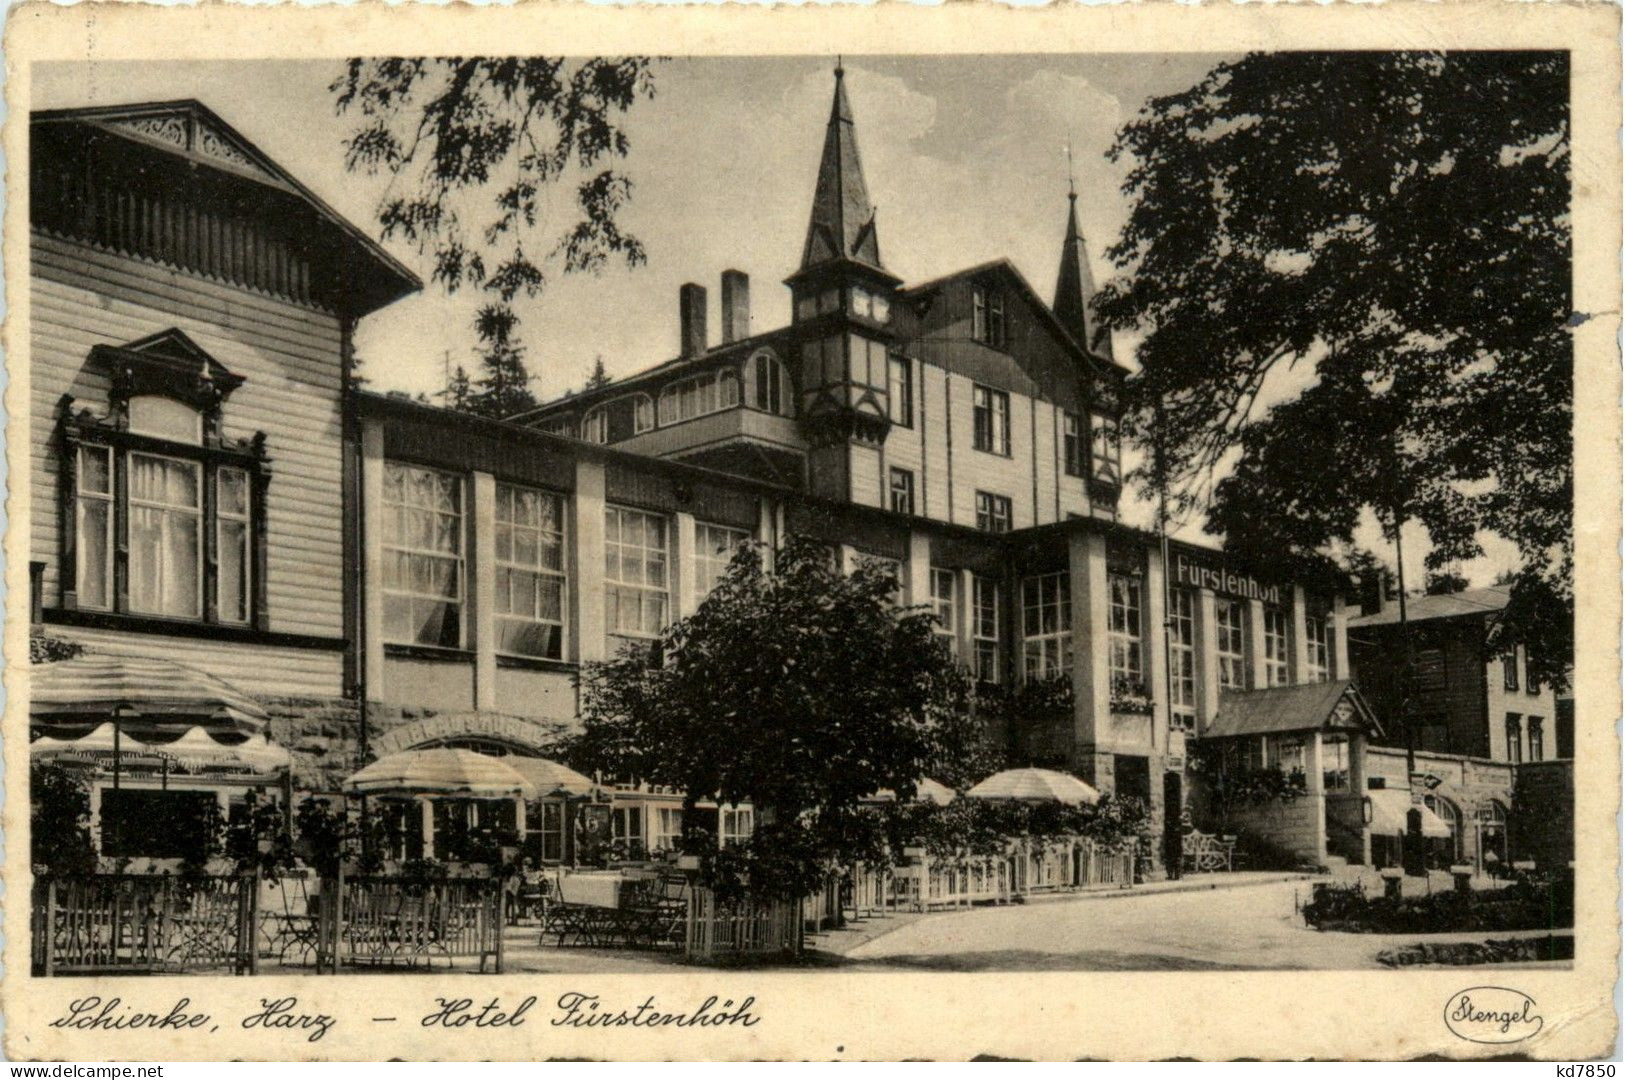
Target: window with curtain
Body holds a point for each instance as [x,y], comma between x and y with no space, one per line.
[636,576]
[700,396]
[233,544]
[668,829]
[1277,667]
[1509,669]
[1514,738]
[992,512]
[423,556]
[1230,618]
[530,572]
[714,548]
[166,536]
[1537,739]
[986,628]
[1046,626]
[618,420]
[736,823]
[1123,630]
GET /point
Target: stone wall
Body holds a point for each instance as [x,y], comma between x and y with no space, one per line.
[321,734]
[1296,825]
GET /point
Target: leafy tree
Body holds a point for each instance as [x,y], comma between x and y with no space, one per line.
[1391,233]
[1445,582]
[475,143]
[59,806]
[802,691]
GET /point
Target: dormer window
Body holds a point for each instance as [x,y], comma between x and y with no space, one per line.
[163,517]
[987,316]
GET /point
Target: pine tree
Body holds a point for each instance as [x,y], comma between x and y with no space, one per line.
[457,391]
[600,375]
[502,387]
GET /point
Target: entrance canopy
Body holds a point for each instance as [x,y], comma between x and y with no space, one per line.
[1389,807]
[149,695]
[441,771]
[1325,706]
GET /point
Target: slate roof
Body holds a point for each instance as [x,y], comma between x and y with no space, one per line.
[1280,709]
[1486,601]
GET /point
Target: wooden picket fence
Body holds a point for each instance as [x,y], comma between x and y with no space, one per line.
[143,923]
[392,921]
[750,928]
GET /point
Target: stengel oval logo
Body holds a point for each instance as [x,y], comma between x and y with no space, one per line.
[1492,1014]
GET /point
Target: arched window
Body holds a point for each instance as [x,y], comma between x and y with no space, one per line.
[615,421]
[768,384]
[699,396]
[1451,816]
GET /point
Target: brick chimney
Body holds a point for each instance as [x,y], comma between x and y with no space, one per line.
[735,306]
[691,309]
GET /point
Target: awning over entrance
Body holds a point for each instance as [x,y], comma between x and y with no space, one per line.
[549,777]
[1325,706]
[1388,809]
[149,694]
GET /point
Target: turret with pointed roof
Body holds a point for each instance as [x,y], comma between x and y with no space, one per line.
[1075,287]
[842,225]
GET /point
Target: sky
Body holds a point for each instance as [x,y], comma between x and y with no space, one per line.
[965,159]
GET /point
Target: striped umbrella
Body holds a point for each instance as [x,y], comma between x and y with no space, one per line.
[441,770]
[1036,785]
[156,693]
[548,776]
[926,790]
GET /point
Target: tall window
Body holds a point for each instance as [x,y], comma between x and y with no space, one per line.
[992,512]
[636,581]
[1231,624]
[161,515]
[1319,648]
[900,389]
[944,590]
[1046,626]
[1123,628]
[1430,675]
[986,628]
[1182,657]
[770,384]
[699,396]
[714,548]
[990,415]
[1514,738]
[736,823]
[902,491]
[987,316]
[626,829]
[1530,683]
[1537,739]
[1509,669]
[529,539]
[1106,450]
[166,536]
[95,527]
[1072,443]
[1277,667]
[668,829]
[423,556]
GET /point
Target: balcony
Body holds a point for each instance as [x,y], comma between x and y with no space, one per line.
[714,429]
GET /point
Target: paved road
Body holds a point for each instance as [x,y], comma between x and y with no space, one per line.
[1224,929]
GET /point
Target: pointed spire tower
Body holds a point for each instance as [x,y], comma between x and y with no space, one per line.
[1075,286]
[842,226]
[843,300]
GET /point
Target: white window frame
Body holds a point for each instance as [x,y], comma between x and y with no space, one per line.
[987,626]
[397,545]
[907,489]
[1277,647]
[1317,646]
[735,825]
[171,512]
[245,518]
[1230,643]
[770,388]
[105,498]
[1105,449]
[538,568]
[1125,619]
[1182,608]
[646,592]
[1046,626]
[666,833]
[709,566]
[702,395]
[992,435]
[945,605]
[993,511]
[900,389]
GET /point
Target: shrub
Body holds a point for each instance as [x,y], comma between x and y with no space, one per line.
[1529,904]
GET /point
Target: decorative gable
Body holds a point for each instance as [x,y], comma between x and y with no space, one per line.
[197,133]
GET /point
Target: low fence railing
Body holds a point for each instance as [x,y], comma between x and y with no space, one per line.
[714,928]
[404,922]
[137,923]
